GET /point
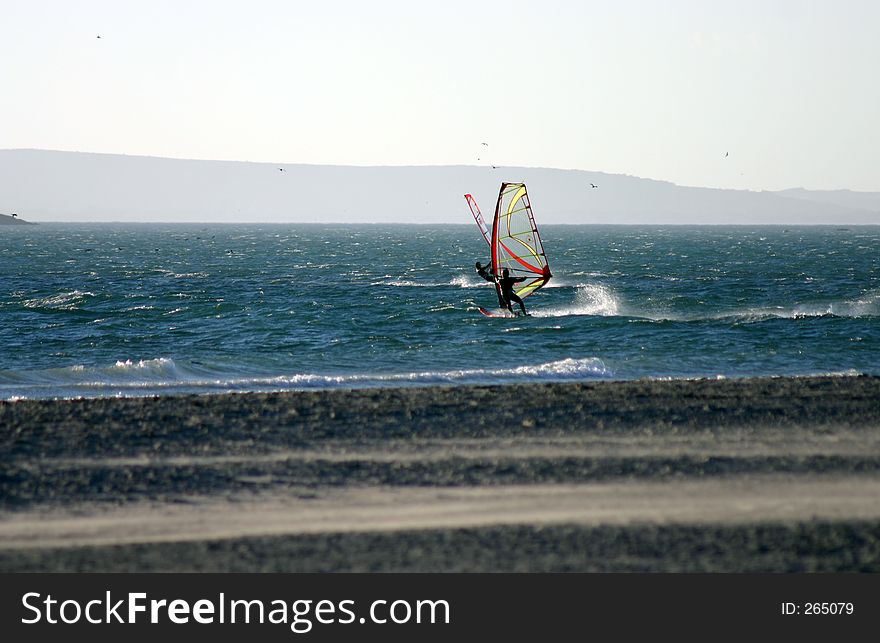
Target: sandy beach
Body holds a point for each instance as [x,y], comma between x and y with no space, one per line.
[764,474]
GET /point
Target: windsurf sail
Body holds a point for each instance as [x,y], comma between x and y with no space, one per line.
[478,217]
[515,242]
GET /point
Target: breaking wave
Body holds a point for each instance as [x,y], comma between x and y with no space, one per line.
[163,376]
[590,299]
[71,300]
[867,305]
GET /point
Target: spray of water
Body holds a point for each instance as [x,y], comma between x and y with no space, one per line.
[590,299]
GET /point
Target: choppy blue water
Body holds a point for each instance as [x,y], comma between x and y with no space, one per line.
[135,309]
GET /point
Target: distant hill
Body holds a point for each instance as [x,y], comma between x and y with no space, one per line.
[8,219]
[846,198]
[73,186]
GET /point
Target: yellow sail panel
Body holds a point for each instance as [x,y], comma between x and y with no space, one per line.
[516,244]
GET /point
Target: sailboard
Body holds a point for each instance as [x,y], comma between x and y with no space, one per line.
[514,242]
[503,312]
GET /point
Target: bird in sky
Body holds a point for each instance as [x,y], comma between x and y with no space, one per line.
[280,169]
[593,185]
[14,214]
[97,36]
[486,144]
[725,154]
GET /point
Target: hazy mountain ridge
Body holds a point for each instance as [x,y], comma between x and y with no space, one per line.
[8,219]
[860,200]
[74,186]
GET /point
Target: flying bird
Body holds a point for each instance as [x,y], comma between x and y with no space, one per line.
[593,185]
[97,36]
[486,144]
[725,154]
[280,169]
[14,214]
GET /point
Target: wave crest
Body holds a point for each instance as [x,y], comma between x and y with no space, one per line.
[867,305]
[590,299]
[164,376]
[62,301]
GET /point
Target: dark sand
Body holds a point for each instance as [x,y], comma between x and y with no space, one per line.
[769,474]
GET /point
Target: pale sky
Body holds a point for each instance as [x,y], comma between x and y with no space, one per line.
[663,89]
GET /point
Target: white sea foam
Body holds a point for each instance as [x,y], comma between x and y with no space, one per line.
[146,377]
[867,305]
[460,281]
[62,301]
[590,299]
[468,282]
[161,366]
[850,372]
[403,283]
[561,369]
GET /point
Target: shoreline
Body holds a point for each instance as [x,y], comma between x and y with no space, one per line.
[793,548]
[763,474]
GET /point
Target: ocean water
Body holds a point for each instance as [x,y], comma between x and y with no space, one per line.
[136,309]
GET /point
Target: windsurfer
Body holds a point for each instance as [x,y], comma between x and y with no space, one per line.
[506,284]
[484,272]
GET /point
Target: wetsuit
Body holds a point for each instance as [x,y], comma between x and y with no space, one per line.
[486,274]
[506,284]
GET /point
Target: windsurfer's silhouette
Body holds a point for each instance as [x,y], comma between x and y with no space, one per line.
[506,284]
[484,272]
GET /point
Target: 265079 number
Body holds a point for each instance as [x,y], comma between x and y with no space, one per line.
[828,608]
